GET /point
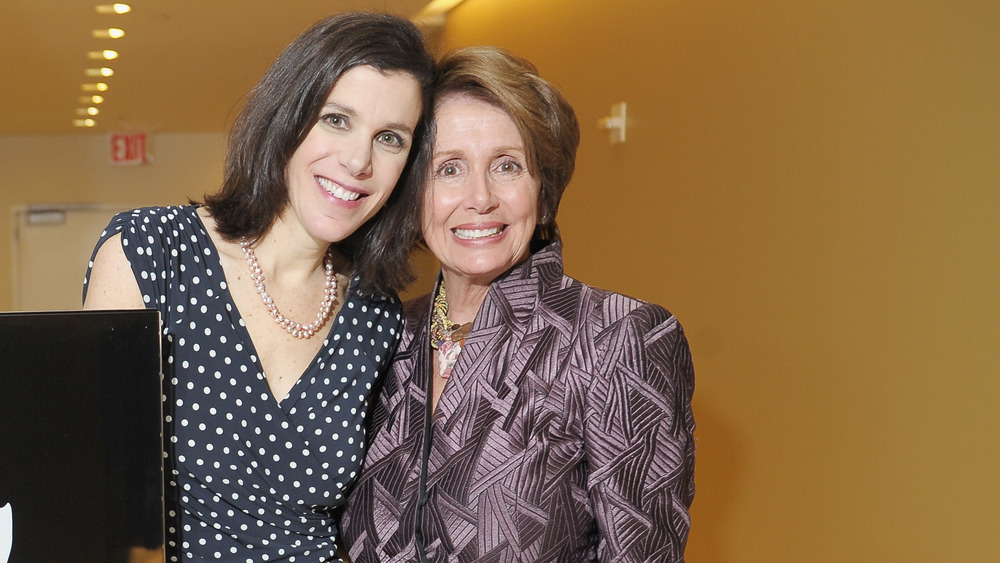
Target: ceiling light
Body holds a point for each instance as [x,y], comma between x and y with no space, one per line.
[95,99]
[106,54]
[113,8]
[84,122]
[109,33]
[95,87]
[91,111]
[103,71]
[435,7]
[435,12]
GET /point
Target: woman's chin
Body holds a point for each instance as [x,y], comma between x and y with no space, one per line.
[483,272]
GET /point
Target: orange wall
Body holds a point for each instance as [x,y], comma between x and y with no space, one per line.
[813,188]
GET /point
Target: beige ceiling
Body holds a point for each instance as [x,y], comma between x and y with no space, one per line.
[183,64]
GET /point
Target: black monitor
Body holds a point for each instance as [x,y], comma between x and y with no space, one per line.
[81,457]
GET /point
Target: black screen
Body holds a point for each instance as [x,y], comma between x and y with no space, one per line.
[80,434]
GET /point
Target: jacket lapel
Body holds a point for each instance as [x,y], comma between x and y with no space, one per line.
[484,386]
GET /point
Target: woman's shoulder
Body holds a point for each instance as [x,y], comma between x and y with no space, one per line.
[162,234]
[375,304]
[611,308]
[412,313]
[415,311]
[157,217]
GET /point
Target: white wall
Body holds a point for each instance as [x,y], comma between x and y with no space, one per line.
[76,169]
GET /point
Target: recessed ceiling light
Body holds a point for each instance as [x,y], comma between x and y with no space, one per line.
[109,33]
[94,87]
[91,111]
[113,8]
[84,122]
[436,10]
[106,54]
[103,71]
[95,99]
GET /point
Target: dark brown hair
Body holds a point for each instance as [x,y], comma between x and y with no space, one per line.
[280,111]
[545,120]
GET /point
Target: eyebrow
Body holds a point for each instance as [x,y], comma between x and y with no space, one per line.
[445,154]
[452,153]
[351,112]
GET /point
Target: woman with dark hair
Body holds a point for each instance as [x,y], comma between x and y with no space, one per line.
[527,416]
[264,414]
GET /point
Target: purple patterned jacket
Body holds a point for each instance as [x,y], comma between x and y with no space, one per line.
[565,433]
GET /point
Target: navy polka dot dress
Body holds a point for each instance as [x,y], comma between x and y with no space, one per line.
[249,478]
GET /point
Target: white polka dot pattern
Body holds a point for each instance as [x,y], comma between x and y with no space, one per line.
[248,478]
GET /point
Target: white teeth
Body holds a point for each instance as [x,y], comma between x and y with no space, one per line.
[337,191]
[477,233]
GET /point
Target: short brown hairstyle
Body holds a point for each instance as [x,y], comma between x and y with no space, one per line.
[544,119]
[282,108]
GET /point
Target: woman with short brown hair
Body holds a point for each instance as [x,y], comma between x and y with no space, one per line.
[527,416]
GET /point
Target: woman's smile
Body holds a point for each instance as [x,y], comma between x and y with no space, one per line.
[476,233]
[338,191]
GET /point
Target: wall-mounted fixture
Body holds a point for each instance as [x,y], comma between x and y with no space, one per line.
[615,123]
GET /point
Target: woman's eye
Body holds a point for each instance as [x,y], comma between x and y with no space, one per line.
[509,167]
[335,120]
[391,140]
[448,170]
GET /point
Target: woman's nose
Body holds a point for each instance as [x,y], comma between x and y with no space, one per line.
[481,196]
[356,157]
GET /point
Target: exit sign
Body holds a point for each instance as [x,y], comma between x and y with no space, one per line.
[129,148]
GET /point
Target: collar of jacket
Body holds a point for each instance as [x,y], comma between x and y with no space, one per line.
[503,319]
[517,291]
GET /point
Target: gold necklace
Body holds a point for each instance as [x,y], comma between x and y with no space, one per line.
[443,328]
[447,337]
[298,330]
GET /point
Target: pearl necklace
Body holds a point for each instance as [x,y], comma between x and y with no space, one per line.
[298,330]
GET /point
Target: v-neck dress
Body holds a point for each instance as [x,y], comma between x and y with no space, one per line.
[249,478]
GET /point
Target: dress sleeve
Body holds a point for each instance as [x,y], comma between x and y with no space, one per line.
[639,437]
[146,249]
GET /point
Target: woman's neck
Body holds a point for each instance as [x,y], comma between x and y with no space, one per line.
[291,254]
[465,297]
